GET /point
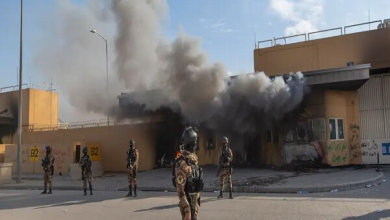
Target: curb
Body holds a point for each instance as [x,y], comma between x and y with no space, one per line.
[267,189]
[239,189]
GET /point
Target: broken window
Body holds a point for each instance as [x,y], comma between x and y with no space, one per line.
[302,134]
[318,129]
[210,143]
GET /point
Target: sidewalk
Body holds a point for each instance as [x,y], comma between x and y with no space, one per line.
[244,180]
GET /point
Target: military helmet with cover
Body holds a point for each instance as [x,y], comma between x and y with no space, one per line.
[48,148]
[189,139]
[132,143]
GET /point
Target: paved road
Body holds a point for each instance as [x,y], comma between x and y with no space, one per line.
[363,204]
[359,204]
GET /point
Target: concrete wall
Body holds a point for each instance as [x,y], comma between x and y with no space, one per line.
[364,47]
[113,142]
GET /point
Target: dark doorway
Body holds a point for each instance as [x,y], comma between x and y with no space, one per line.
[78,153]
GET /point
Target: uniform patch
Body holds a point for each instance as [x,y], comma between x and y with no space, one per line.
[180,179]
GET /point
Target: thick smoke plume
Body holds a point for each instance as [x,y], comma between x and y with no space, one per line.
[174,74]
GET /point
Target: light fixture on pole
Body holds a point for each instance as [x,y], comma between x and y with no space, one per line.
[105,40]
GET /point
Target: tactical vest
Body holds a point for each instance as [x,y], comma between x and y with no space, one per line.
[195,182]
[131,155]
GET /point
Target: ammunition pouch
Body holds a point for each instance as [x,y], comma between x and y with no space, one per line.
[195,183]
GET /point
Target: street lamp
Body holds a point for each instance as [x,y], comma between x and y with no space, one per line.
[105,40]
[19,149]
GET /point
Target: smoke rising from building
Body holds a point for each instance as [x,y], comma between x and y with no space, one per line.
[144,60]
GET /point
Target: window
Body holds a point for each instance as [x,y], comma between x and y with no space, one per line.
[336,127]
[302,133]
[318,129]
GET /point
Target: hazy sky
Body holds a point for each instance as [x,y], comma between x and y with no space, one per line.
[226,27]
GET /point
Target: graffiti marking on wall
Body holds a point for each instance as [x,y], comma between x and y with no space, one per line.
[338,152]
[354,142]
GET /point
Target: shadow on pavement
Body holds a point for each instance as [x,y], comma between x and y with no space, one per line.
[371,216]
[173,206]
[25,199]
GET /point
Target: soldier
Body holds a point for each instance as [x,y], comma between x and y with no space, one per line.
[225,167]
[86,170]
[48,168]
[132,167]
[188,176]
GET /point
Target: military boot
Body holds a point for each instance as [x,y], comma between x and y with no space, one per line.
[220,194]
[230,194]
[85,192]
[44,192]
[50,192]
[130,191]
[90,189]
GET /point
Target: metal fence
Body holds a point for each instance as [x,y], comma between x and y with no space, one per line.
[90,124]
[273,42]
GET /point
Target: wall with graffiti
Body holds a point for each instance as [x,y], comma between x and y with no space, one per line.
[370,149]
[31,155]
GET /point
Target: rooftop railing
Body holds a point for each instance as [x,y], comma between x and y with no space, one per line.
[308,36]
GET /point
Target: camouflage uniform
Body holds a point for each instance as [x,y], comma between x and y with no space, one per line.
[86,166]
[226,169]
[132,167]
[186,179]
[188,202]
[48,168]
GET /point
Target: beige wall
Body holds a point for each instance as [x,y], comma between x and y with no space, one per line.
[113,142]
[40,108]
[365,47]
[340,104]
[10,101]
[43,108]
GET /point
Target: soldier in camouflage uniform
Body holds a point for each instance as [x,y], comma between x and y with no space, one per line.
[188,176]
[225,166]
[48,168]
[132,168]
[86,171]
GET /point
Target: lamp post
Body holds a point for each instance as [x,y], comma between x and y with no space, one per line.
[105,40]
[18,156]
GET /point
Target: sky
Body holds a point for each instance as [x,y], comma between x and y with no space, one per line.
[228,29]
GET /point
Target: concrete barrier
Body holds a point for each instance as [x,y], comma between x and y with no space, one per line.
[5,173]
[74,170]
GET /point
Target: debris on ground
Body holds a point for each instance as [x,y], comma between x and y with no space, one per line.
[302,192]
[335,190]
[368,186]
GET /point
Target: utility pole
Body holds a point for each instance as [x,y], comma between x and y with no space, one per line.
[18,158]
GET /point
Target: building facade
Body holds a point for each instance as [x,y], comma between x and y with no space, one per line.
[345,118]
